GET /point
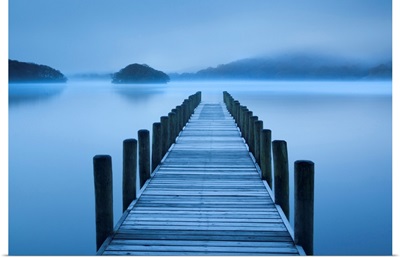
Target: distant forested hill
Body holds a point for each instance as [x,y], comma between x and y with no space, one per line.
[291,67]
[136,73]
[31,72]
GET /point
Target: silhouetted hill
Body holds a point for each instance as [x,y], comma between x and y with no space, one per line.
[136,73]
[290,67]
[31,72]
[382,71]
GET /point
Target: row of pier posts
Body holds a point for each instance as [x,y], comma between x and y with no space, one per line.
[136,152]
[264,151]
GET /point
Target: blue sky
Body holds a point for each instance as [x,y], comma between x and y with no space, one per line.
[186,35]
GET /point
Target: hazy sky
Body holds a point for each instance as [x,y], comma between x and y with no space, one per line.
[187,35]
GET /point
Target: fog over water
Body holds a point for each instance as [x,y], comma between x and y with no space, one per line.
[56,129]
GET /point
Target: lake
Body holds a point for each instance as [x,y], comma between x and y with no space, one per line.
[345,128]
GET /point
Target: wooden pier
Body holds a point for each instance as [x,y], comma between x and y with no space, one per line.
[205,197]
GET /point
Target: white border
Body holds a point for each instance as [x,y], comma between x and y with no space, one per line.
[395,129]
[4,124]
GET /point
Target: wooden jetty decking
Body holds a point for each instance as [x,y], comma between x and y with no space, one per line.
[205,198]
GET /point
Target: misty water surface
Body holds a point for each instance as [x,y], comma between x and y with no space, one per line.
[55,130]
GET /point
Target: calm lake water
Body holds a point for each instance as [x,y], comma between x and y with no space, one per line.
[55,130]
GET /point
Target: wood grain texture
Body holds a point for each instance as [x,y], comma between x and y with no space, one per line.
[205,198]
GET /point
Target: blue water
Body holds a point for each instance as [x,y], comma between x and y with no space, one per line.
[55,130]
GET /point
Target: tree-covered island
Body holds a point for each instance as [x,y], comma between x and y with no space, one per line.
[137,73]
[31,72]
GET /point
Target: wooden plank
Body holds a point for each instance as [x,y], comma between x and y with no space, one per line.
[201,243]
[199,218]
[201,237]
[271,228]
[199,224]
[199,248]
[200,202]
[204,217]
[203,204]
[237,213]
[163,253]
[202,232]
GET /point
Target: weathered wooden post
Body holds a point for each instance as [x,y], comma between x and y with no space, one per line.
[230,102]
[253,119]
[236,111]
[281,175]
[224,96]
[227,102]
[258,126]
[144,156]
[243,121]
[247,125]
[176,129]
[198,98]
[265,156]
[102,170]
[240,118]
[232,105]
[187,110]
[164,134]
[194,102]
[233,110]
[191,104]
[129,172]
[156,154]
[182,122]
[171,128]
[304,205]
[179,118]
[185,113]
